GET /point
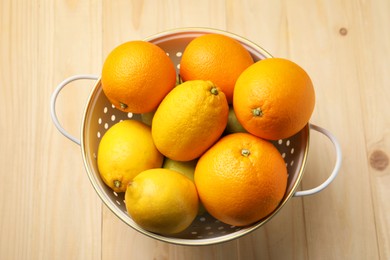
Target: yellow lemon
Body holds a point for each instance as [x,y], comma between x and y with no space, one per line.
[189,120]
[162,201]
[125,150]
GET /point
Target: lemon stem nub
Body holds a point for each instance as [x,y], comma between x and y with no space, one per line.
[245,152]
[117,183]
[214,91]
[257,112]
[123,106]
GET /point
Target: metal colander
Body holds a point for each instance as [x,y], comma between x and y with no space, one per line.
[100,115]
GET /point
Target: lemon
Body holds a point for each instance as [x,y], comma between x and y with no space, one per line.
[162,201]
[147,118]
[187,168]
[189,120]
[233,126]
[125,150]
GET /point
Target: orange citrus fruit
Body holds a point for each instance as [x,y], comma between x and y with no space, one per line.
[217,58]
[136,76]
[189,120]
[241,179]
[274,98]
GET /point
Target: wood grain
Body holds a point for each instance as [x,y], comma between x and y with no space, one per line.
[49,209]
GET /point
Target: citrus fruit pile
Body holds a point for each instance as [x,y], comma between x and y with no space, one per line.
[204,142]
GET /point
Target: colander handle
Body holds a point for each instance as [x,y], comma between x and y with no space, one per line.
[336,168]
[54,99]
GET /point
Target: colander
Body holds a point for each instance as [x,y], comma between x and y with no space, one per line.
[100,115]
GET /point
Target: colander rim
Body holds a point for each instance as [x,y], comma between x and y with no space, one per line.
[174,240]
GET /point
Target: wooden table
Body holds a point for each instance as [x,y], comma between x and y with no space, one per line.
[49,209]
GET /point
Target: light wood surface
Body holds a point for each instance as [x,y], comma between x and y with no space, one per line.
[49,209]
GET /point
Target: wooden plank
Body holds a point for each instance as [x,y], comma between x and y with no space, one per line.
[49,210]
[75,39]
[372,72]
[124,21]
[336,218]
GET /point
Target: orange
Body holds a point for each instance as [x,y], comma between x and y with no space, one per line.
[136,76]
[189,120]
[217,58]
[241,179]
[274,98]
